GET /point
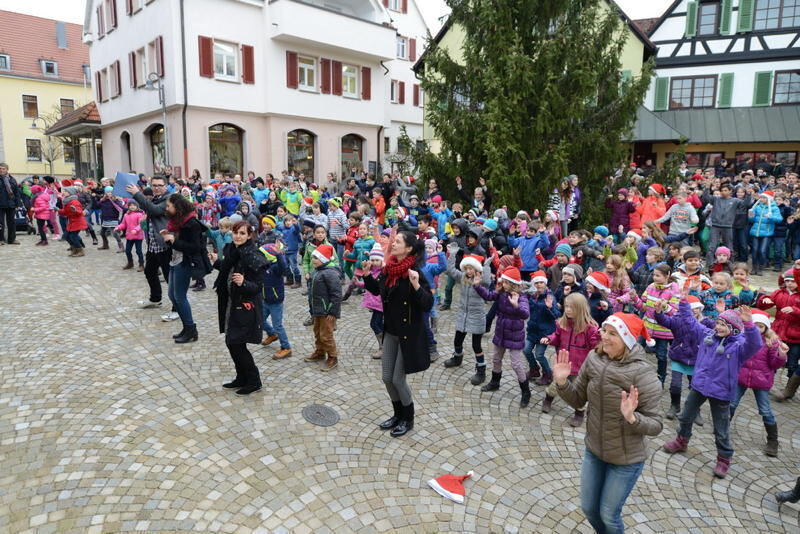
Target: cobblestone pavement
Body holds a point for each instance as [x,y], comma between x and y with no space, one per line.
[107,426]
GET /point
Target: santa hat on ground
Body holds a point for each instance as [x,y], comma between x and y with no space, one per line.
[761,317]
[472,260]
[512,275]
[636,234]
[450,486]
[539,276]
[323,253]
[599,280]
[659,189]
[630,328]
[694,302]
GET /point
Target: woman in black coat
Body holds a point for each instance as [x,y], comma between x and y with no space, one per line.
[406,298]
[239,292]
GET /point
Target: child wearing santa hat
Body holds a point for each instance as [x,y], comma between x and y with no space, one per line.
[597,286]
[512,311]
[325,298]
[544,310]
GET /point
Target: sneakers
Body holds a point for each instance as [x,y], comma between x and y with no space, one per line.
[281,354]
[269,340]
[721,469]
[314,358]
[330,363]
[679,444]
[171,316]
[148,305]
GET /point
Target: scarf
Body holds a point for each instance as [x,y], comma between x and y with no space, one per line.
[174,225]
[396,269]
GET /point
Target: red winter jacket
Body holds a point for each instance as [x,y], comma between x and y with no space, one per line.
[76,220]
[786,325]
[578,345]
[759,371]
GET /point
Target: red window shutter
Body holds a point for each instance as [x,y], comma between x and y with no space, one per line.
[325,82]
[336,67]
[113,21]
[118,78]
[132,68]
[412,49]
[206,49]
[292,81]
[248,64]
[401,99]
[129,7]
[366,83]
[405,6]
[101,27]
[416,94]
[160,55]
[99,86]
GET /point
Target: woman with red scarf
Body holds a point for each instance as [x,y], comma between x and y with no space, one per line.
[406,299]
[184,235]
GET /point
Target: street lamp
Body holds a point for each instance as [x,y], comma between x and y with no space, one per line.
[156,83]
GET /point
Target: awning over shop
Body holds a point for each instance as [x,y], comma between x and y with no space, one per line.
[81,122]
[650,128]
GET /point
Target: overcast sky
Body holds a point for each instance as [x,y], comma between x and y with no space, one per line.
[72,10]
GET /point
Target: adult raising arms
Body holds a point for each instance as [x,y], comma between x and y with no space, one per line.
[623,392]
[406,298]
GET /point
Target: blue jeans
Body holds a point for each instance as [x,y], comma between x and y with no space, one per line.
[779,251]
[96,215]
[293,268]
[661,348]
[762,401]
[720,415]
[276,328]
[376,323]
[74,239]
[129,244]
[604,489]
[179,277]
[760,247]
[740,243]
[534,353]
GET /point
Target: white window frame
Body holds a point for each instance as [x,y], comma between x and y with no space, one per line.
[108,8]
[22,101]
[302,78]
[65,98]
[41,156]
[225,75]
[150,49]
[352,76]
[394,91]
[396,5]
[8,62]
[138,5]
[421,97]
[402,43]
[141,67]
[42,65]
[104,86]
[113,90]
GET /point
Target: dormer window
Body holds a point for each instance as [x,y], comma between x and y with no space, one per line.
[5,62]
[49,68]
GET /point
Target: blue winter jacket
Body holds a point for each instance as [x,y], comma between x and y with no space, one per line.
[291,238]
[528,245]
[542,320]
[273,280]
[765,216]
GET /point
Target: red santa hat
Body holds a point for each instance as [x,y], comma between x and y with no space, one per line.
[472,260]
[761,317]
[659,189]
[450,486]
[694,302]
[629,327]
[769,195]
[599,280]
[308,201]
[512,275]
[323,253]
[539,276]
[553,215]
[401,212]
[636,234]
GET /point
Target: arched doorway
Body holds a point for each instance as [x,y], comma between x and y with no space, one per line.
[300,145]
[352,154]
[125,151]
[158,149]
[225,149]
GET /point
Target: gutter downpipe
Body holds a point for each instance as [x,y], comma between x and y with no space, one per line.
[185,92]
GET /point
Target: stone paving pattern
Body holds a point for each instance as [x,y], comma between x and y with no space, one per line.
[107,426]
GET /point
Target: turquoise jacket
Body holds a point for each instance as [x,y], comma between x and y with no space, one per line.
[765,216]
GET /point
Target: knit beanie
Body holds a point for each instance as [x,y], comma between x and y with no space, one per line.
[506,261]
[789,275]
[376,253]
[564,249]
[602,230]
[733,320]
[575,270]
[269,220]
[431,244]
[723,250]
[490,225]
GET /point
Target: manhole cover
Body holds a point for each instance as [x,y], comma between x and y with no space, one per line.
[320,415]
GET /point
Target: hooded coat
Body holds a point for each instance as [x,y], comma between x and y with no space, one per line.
[471,313]
[509,332]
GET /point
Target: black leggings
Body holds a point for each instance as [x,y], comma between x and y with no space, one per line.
[458,342]
[41,223]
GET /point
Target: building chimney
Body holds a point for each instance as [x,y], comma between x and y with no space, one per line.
[61,35]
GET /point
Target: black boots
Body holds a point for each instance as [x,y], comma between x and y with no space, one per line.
[480,375]
[526,394]
[772,440]
[252,388]
[455,361]
[393,420]
[235,383]
[180,334]
[189,334]
[494,383]
[406,423]
[793,495]
[674,405]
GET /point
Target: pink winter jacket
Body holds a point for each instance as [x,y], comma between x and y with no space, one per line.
[759,371]
[131,224]
[578,345]
[41,203]
[368,300]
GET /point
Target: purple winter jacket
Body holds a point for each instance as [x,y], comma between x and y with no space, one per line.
[716,373]
[759,371]
[620,214]
[509,332]
[685,340]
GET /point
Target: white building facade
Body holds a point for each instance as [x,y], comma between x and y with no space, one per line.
[261,85]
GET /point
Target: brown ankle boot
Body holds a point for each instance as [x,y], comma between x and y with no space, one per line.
[790,389]
[128,265]
[330,363]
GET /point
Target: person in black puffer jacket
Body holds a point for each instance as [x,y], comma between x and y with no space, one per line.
[239,292]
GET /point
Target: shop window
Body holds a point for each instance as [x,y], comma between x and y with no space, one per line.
[225,149]
[158,148]
[300,144]
[352,153]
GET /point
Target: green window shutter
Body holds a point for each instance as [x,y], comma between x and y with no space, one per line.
[662,94]
[626,76]
[725,90]
[762,93]
[725,18]
[691,19]
[745,16]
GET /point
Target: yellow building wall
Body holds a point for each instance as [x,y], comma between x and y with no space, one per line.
[729,149]
[16,128]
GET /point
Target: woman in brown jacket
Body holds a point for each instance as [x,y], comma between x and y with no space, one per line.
[623,392]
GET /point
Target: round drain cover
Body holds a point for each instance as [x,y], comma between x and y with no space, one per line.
[320,415]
